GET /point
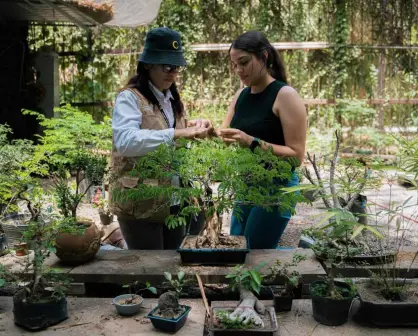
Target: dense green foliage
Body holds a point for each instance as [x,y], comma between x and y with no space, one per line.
[348,69]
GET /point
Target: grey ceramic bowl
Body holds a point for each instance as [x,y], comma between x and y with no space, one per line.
[127,310]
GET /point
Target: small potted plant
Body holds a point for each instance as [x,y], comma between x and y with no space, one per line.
[331,299]
[106,216]
[41,302]
[83,242]
[250,316]
[170,315]
[283,295]
[130,304]
[73,144]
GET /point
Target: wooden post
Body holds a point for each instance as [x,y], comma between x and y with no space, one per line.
[381,90]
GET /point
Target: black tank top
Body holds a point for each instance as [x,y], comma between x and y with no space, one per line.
[254,114]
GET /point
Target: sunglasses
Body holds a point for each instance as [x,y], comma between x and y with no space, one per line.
[172,68]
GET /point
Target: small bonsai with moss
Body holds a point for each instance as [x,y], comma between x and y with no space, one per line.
[168,302]
[292,276]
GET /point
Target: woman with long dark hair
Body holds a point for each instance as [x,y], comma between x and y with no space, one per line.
[149,112]
[267,113]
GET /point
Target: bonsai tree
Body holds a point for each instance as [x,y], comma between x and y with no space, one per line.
[246,314]
[46,286]
[345,216]
[134,291]
[242,175]
[13,168]
[168,302]
[73,144]
[292,277]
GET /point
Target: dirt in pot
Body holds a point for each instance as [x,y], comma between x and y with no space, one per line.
[170,314]
[321,290]
[130,301]
[370,291]
[225,242]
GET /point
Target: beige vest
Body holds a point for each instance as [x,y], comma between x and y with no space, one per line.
[122,165]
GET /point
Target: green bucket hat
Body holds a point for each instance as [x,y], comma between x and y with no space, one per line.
[163,46]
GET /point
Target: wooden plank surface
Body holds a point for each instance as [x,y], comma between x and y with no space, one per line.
[145,265]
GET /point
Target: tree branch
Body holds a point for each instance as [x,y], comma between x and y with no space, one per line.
[359,190]
[322,191]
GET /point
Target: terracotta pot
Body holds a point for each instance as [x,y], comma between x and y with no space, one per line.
[79,248]
[21,249]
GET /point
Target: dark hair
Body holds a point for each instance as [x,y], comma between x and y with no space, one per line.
[255,43]
[141,82]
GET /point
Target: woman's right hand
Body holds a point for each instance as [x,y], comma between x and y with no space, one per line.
[191,133]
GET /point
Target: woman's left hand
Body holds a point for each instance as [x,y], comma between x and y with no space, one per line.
[230,135]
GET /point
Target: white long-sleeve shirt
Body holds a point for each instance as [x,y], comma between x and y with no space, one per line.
[129,138]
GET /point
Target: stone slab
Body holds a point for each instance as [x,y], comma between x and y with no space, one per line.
[145,265]
[300,322]
[96,316]
[407,267]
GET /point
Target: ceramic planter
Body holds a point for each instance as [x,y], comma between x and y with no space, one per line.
[266,331]
[127,309]
[169,325]
[75,249]
[213,256]
[388,314]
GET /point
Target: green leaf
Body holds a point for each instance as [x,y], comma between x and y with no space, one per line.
[357,231]
[255,287]
[52,249]
[230,276]
[2,282]
[153,290]
[167,276]
[147,284]
[180,275]
[256,277]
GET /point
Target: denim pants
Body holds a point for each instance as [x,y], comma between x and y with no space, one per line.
[263,229]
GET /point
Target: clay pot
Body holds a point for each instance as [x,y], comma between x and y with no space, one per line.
[21,249]
[76,249]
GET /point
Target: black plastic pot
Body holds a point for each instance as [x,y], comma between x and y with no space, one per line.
[328,311]
[281,303]
[3,243]
[216,331]
[212,256]
[38,316]
[169,325]
[388,314]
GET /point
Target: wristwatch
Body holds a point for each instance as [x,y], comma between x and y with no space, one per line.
[255,143]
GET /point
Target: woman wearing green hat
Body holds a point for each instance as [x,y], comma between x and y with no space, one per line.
[149,112]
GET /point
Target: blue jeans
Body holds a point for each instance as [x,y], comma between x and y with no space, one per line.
[263,229]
